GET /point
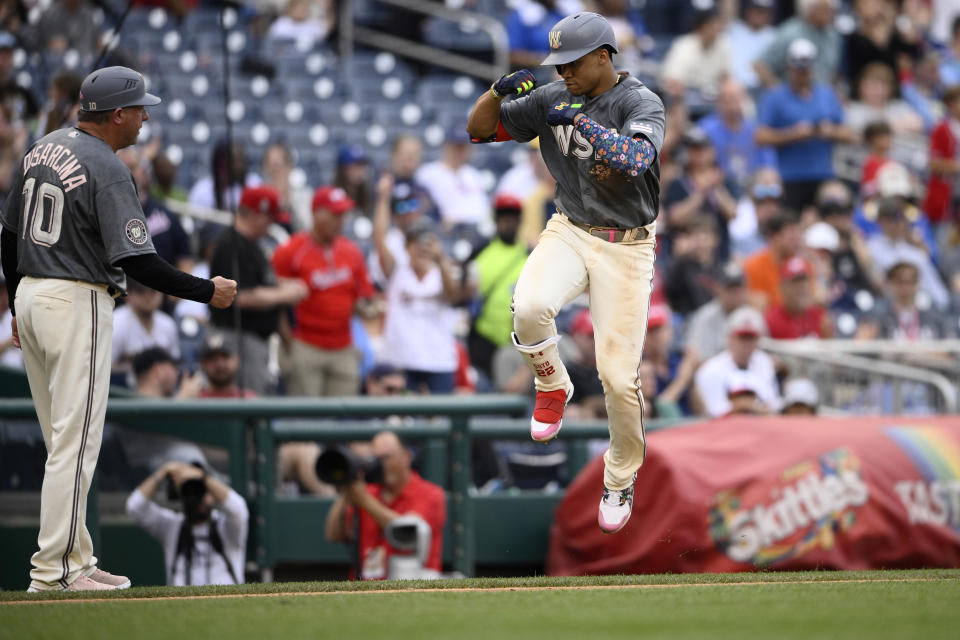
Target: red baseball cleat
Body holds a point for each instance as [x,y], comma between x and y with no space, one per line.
[548,413]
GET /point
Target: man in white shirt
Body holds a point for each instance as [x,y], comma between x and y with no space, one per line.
[204,544]
[753,35]
[744,328]
[140,325]
[454,185]
[700,59]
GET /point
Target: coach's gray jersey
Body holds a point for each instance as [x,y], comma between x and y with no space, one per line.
[588,190]
[74,207]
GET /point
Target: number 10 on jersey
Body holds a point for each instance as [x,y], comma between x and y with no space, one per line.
[44,229]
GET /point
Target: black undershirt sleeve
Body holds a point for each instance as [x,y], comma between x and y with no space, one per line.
[8,255]
[155,272]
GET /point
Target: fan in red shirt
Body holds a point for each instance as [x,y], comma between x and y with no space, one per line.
[322,360]
[944,161]
[403,492]
[798,316]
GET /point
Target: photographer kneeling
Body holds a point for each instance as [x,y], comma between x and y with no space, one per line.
[206,543]
[386,510]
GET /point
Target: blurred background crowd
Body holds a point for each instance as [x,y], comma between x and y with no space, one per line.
[808,191]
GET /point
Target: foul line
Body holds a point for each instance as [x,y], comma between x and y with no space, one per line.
[592,587]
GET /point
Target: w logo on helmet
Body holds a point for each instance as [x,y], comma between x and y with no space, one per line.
[554,39]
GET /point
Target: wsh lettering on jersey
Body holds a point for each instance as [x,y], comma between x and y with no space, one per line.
[582,148]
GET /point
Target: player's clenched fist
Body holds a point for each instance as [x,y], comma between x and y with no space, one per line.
[516,83]
[563,113]
[224,291]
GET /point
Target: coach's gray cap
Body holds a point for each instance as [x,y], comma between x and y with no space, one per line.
[114,87]
[577,35]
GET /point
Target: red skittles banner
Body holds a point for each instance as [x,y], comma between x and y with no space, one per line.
[745,493]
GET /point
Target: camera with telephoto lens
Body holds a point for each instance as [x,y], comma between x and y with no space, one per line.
[339,466]
[191,493]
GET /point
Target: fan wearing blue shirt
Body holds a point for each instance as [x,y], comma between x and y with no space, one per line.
[802,119]
[732,135]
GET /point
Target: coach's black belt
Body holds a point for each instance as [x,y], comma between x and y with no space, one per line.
[614,234]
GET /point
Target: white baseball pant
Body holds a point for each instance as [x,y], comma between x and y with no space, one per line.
[564,263]
[66,329]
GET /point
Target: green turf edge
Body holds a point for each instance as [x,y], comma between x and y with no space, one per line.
[495,583]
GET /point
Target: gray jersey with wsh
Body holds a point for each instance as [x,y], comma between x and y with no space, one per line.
[74,207]
[588,190]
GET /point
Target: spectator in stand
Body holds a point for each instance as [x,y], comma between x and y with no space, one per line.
[742,394]
[744,328]
[674,369]
[454,185]
[168,235]
[751,36]
[491,275]
[730,293]
[802,119]
[219,364]
[157,376]
[800,398]
[260,294]
[68,24]
[762,269]
[899,316]
[813,23]
[228,177]
[877,100]
[822,241]
[13,140]
[798,316]
[923,90]
[402,493]
[419,326]
[760,203]
[940,200]
[164,183]
[528,28]
[893,180]
[950,65]
[693,262]
[878,40]
[278,166]
[139,325]
[20,103]
[63,103]
[878,137]
[894,244]
[629,30]
[306,22]
[733,135]
[655,406]
[587,403]
[353,176]
[701,190]
[698,60]
[206,542]
[852,264]
[323,359]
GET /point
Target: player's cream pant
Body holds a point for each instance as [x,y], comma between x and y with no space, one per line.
[66,329]
[564,263]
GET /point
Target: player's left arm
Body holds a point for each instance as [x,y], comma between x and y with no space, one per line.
[629,155]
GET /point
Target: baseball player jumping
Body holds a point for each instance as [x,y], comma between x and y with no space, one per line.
[600,136]
[72,229]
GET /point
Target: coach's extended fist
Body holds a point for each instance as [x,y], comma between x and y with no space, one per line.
[224,291]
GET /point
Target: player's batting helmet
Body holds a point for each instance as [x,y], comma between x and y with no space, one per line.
[114,87]
[577,35]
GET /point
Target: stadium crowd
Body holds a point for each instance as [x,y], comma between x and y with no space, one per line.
[808,184]
[808,178]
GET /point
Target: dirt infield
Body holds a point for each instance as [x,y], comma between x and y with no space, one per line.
[621,587]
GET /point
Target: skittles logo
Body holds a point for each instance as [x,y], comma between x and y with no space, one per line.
[803,510]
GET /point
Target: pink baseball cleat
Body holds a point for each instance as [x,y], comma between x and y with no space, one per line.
[548,414]
[616,506]
[105,577]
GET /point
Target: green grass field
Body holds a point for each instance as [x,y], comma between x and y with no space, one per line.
[873,605]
